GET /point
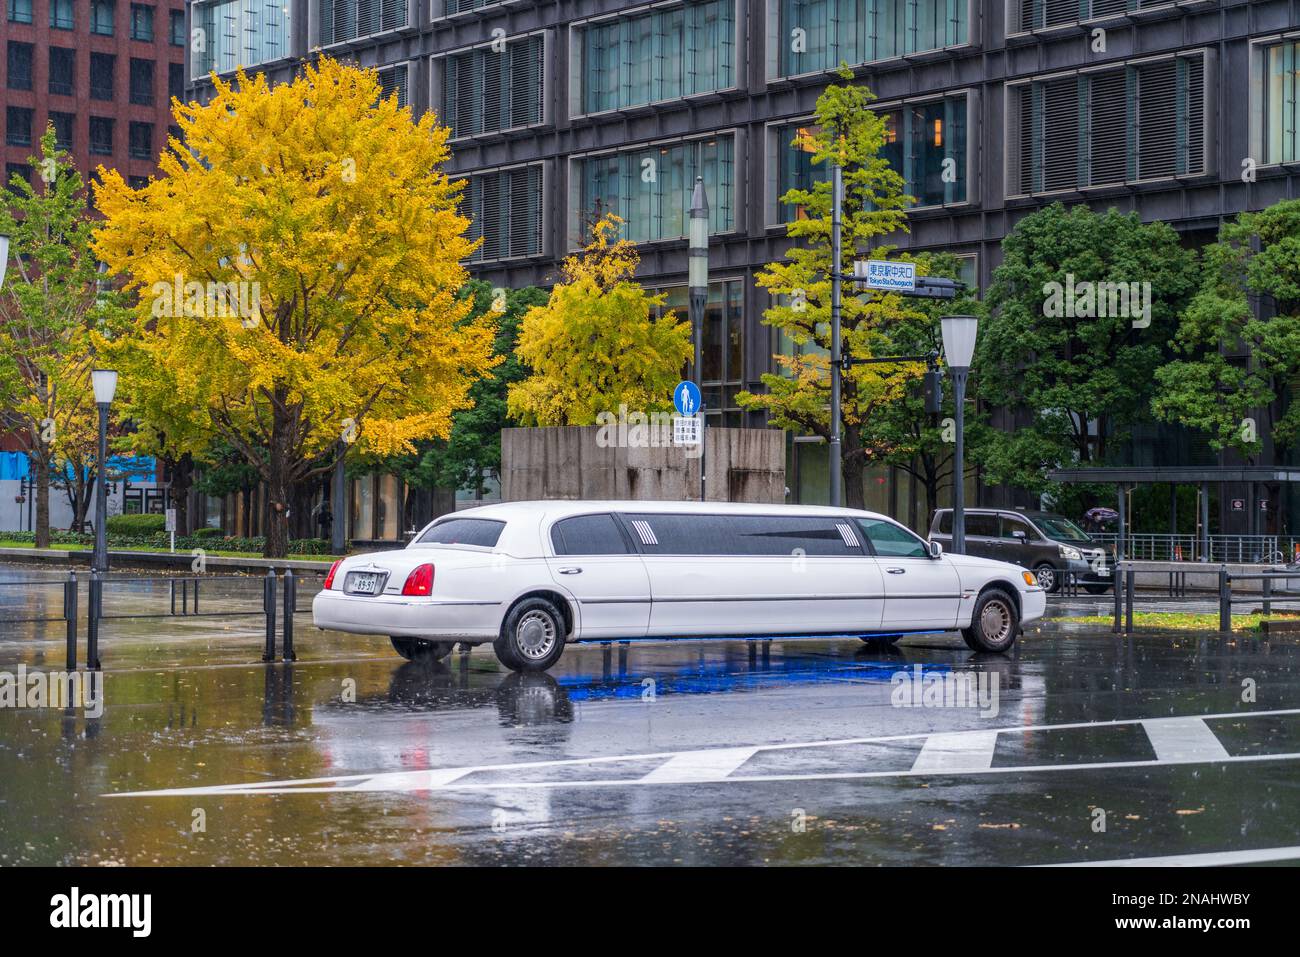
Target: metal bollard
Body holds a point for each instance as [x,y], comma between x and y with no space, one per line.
[1130,577]
[1119,600]
[70,616]
[1268,593]
[268,606]
[290,605]
[96,611]
[196,596]
[1225,599]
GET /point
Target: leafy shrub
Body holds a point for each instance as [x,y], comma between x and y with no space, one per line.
[136,524]
[208,532]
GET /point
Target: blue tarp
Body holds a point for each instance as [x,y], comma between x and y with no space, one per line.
[138,468]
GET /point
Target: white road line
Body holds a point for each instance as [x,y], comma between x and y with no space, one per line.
[956,752]
[1183,739]
[1208,859]
[693,766]
[445,778]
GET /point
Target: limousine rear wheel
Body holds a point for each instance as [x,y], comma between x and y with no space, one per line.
[421,648]
[994,623]
[532,637]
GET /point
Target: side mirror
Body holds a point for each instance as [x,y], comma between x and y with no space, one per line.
[1017,533]
[935,549]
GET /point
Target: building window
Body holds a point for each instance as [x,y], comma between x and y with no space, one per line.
[505,211]
[342,20]
[1140,122]
[20,65]
[142,22]
[63,70]
[650,187]
[1027,15]
[240,33]
[63,124]
[722,349]
[926,143]
[142,82]
[485,90]
[21,170]
[101,136]
[393,80]
[448,7]
[137,182]
[1282,103]
[176,81]
[816,35]
[140,140]
[62,16]
[102,66]
[18,126]
[20,11]
[659,55]
[176,24]
[101,17]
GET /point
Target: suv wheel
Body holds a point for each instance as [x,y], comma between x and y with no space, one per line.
[1048,577]
[532,636]
[994,623]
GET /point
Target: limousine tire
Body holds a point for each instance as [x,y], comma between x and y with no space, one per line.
[532,637]
[421,649]
[994,623]
[1048,577]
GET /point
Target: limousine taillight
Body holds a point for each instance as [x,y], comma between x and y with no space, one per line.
[420,581]
[329,578]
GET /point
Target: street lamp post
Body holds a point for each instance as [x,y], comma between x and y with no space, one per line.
[836,452]
[958,350]
[104,382]
[697,283]
[4,257]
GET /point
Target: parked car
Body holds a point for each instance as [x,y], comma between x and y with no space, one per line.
[530,577]
[1047,544]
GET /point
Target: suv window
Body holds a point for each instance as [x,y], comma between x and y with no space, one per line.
[981,525]
[892,541]
[588,535]
[1011,525]
[944,525]
[464,531]
[743,535]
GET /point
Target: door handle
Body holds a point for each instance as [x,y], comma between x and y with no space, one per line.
[570,571]
[896,571]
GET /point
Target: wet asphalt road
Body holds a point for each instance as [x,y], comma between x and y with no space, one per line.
[705,752]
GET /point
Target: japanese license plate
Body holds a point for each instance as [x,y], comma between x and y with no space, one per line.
[363,583]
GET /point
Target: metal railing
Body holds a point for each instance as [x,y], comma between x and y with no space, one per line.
[1170,547]
[68,615]
[1276,587]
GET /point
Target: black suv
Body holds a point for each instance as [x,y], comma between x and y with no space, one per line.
[1045,543]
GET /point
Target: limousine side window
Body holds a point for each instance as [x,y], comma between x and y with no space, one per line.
[588,535]
[892,541]
[464,531]
[743,535]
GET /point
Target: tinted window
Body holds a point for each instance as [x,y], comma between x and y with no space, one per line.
[893,541]
[464,531]
[743,535]
[985,526]
[945,524]
[1062,529]
[588,535]
[1011,525]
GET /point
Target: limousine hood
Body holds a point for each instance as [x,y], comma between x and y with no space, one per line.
[981,567]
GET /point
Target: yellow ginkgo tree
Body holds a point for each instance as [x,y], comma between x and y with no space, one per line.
[597,344]
[296,263]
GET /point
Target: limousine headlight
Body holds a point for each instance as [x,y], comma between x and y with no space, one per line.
[1071,553]
[1029,578]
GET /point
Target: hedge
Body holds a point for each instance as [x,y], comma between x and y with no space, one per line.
[213,541]
[144,524]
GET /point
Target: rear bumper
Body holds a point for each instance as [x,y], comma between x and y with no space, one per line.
[406,617]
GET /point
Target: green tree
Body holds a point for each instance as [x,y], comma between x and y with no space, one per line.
[1257,256]
[596,344]
[1081,369]
[798,394]
[50,302]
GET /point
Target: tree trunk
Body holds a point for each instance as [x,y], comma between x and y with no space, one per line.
[83,489]
[277,482]
[182,473]
[853,464]
[42,492]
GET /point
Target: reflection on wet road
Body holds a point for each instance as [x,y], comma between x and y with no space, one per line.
[1096,748]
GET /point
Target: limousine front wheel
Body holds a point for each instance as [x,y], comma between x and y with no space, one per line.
[532,638]
[994,623]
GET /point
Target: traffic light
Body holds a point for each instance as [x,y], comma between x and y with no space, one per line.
[932,387]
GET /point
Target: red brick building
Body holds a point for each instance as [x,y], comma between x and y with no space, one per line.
[102,71]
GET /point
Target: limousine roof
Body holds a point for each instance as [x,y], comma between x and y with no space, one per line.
[522,536]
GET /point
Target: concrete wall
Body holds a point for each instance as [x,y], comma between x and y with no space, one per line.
[741,465]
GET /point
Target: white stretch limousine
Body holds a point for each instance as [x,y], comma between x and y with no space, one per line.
[531,576]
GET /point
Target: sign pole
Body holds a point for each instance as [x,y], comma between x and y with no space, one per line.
[836,452]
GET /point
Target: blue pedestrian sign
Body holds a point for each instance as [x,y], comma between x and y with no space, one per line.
[686,398]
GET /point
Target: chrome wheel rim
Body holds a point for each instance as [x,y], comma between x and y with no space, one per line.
[1046,576]
[995,620]
[535,635]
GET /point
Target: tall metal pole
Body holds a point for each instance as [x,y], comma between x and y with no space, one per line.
[697,284]
[836,454]
[100,562]
[959,461]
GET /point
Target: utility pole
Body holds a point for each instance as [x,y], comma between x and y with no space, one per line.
[836,452]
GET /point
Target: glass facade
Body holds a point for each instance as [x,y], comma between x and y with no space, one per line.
[505,211]
[722,361]
[488,89]
[1281,103]
[650,187]
[239,33]
[342,20]
[816,35]
[657,55]
[926,142]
